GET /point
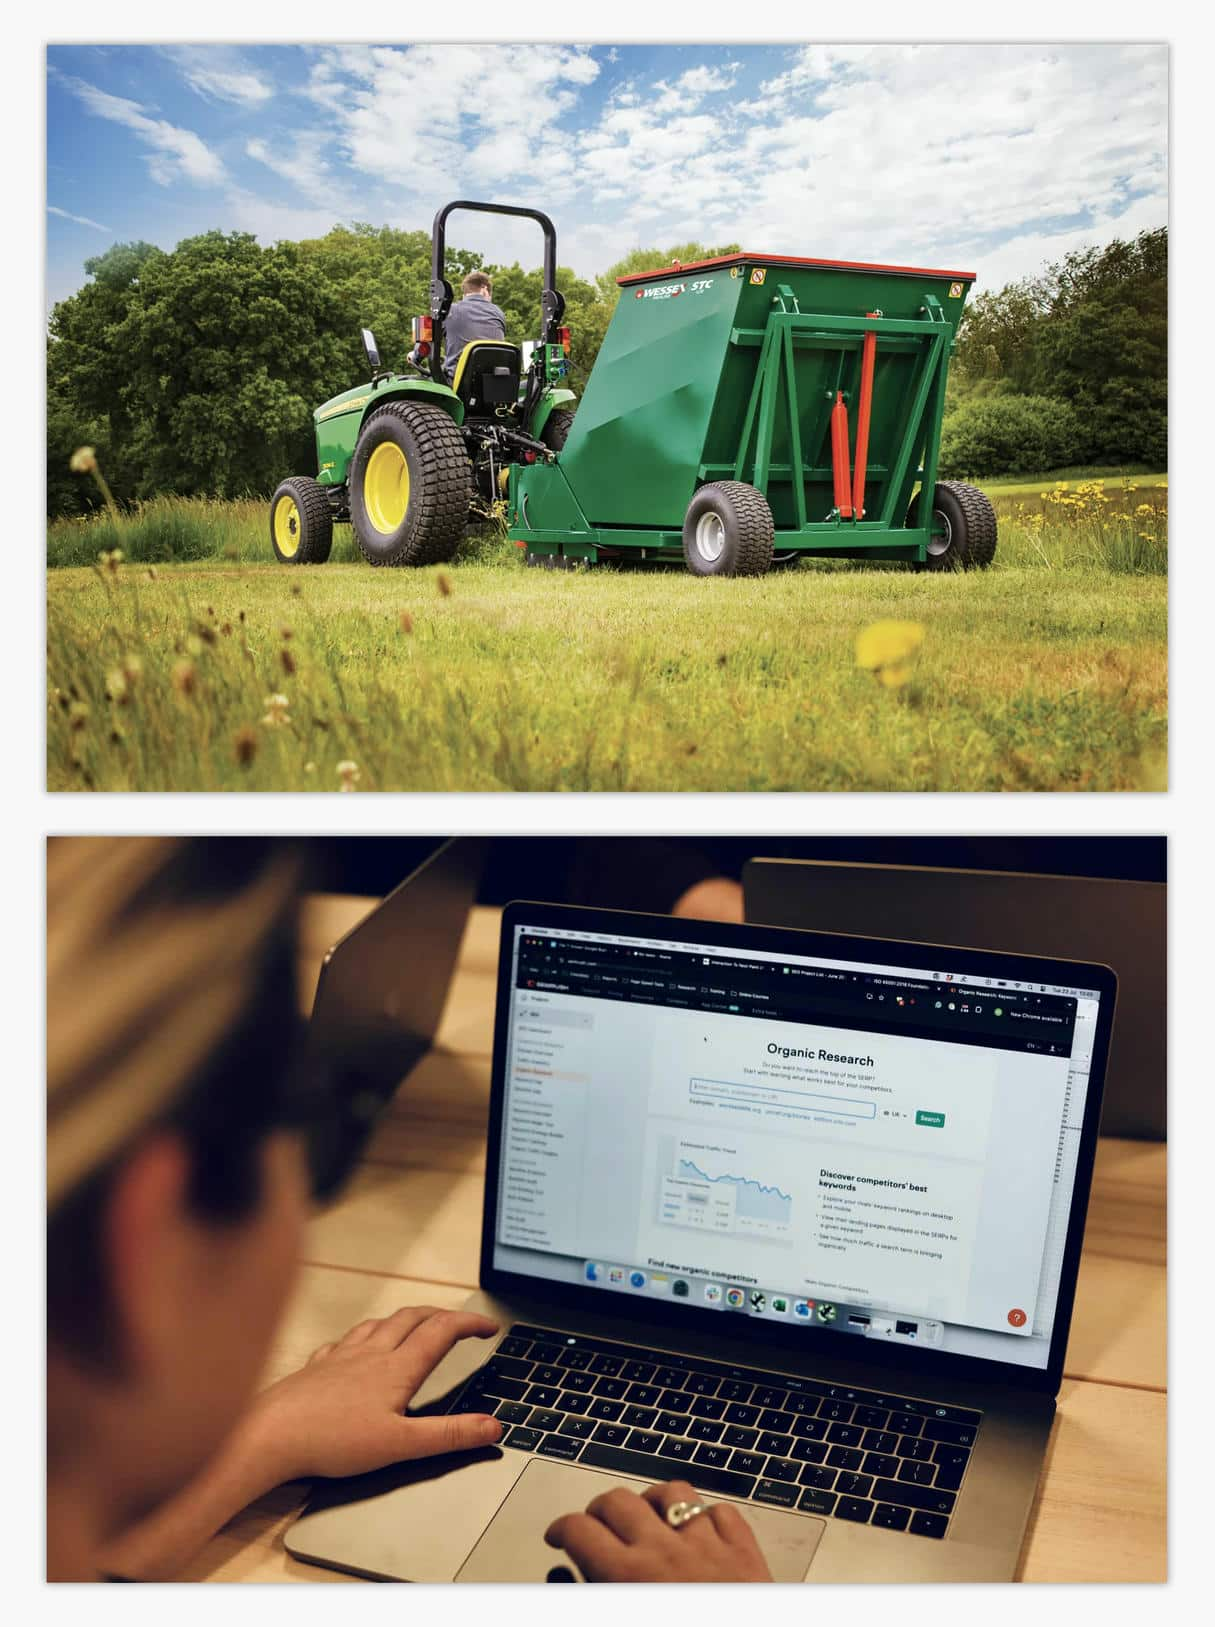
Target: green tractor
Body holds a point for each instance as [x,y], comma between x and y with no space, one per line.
[404,457]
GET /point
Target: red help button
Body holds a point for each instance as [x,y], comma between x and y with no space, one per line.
[1017,1318]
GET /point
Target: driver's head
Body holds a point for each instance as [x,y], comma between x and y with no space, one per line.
[175,1179]
[478,285]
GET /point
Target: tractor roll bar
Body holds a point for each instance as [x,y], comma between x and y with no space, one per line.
[552,303]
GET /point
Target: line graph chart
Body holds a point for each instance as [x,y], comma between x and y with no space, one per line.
[753,1199]
[711,1187]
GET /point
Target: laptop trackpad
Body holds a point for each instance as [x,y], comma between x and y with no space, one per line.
[513,1548]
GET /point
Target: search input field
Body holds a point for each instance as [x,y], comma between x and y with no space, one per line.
[725,1090]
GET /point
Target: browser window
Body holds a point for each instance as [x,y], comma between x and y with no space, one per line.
[882,1151]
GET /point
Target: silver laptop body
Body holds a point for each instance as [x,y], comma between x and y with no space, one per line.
[741,1178]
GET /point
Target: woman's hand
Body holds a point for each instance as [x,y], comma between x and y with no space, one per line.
[342,1412]
[624,1537]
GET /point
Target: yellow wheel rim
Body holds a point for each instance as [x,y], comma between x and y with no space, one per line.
[287,527]
[386,487]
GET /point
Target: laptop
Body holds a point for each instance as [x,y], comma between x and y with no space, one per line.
[379,1000]
[1075,917]
[794,1216]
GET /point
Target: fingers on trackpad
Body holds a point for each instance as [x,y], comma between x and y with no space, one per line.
[513,1549]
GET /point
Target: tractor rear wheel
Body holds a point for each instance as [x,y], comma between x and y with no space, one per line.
[964,528]
[301,522]
[410,486]
[556,430]
[728,531]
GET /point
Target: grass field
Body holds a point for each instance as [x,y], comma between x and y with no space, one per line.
[193,664]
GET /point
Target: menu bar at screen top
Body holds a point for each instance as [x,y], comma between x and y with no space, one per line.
[879,1150]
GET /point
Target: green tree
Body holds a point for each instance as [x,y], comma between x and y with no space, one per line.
[1008,434]
[1091,330]
[1105,348]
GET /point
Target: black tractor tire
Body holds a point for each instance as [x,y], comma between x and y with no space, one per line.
[556,431]
[301,522]
[970,528]
[439,486]
[728,531]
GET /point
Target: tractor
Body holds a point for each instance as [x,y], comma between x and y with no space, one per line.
[404,457]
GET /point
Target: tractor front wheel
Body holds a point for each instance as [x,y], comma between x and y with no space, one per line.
[728,531]
[963,528]
[301,522]
[410,486]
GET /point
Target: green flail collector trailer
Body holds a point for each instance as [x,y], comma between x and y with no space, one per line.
[755,409]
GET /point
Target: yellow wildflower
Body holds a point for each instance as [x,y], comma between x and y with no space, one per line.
[888,649]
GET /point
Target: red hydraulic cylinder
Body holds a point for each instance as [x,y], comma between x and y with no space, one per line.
[868,351]
[839,456]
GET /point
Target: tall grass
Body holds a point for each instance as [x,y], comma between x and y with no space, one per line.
[173,530]
[184,659]
[220,676]
[1120,527]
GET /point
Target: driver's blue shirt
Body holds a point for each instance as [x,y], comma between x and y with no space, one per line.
[472,318]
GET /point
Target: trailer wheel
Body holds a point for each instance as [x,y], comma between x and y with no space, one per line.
[556,430]
[301,522]
[410,486]
[728,531]
[968,539]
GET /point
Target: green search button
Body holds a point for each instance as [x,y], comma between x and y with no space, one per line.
[937,1120]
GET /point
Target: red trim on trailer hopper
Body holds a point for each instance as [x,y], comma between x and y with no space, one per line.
[791,260]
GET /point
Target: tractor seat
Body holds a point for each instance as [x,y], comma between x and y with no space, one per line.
[487,375]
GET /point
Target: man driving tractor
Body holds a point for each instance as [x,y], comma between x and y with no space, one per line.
[475,317]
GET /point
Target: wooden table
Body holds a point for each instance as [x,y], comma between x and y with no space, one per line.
[407,1232]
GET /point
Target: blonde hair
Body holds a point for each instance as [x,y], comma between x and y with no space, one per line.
[151,961]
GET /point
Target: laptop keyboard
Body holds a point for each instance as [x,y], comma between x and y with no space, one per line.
[790,1442]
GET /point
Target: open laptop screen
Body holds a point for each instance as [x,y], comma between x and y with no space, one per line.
[875,1150]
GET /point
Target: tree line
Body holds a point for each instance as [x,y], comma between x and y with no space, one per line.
[1068,367]
[196,370]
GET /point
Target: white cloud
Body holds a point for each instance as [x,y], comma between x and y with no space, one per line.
[176,154]
[245,89]
[220,74]
[299,160]
[986,158]
[460,114]
[690,88]
[275,222]
[81,220]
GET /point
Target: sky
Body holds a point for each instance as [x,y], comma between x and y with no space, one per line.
[978,157]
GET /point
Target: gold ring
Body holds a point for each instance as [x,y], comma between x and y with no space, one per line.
[680,1513]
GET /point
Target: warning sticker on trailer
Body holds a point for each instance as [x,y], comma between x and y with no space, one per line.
[758,275]
[955,290]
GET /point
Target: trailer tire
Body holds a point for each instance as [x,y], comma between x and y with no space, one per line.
[301,522]
[728,531]
[970,528]
[556,430]
[414,508]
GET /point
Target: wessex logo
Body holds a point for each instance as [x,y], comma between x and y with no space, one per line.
[673,290]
